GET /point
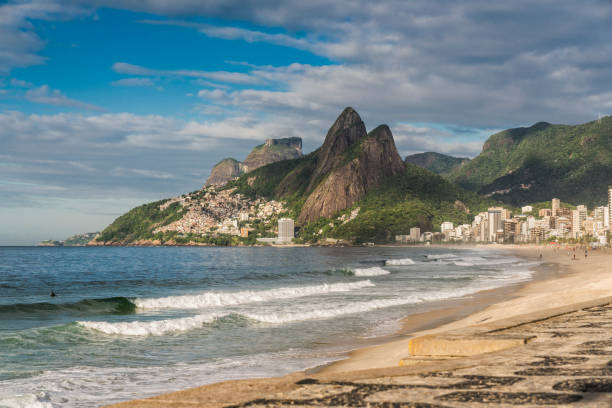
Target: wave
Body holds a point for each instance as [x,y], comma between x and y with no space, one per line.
[112,305]
[24,401]
[360,307]
[441,256]
[152,328]
[460,263]
[399,262]
[208,299]
[374,271]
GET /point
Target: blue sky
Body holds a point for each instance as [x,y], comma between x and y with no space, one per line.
[108,104]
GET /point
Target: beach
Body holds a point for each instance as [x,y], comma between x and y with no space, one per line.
[544,325]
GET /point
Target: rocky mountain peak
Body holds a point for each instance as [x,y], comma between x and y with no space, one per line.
[364,165]
[347,130]
[271,151]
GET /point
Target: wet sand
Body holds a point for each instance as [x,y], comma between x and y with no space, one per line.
[448,340]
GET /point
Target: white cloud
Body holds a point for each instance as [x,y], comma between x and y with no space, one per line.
[46,95]
[19,43]
[20,83]
[222,76]
[133,82]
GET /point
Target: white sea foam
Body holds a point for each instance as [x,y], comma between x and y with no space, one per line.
[23,401]
[209,299]
[358,307]
[396,262]
[461,263]
[152,327]
[441,256]
[88,386]
[374,271]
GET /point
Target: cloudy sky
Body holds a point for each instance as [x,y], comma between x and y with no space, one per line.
[105,105]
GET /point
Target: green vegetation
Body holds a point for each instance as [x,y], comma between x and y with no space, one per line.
[543,161]
[438,163]
[140,222]
[415,198]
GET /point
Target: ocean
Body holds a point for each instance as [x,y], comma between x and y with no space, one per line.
[133,322]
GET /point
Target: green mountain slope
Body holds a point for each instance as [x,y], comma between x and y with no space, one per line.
[436,162]
[525,165]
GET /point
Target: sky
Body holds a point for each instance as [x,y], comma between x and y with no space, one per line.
[105,105]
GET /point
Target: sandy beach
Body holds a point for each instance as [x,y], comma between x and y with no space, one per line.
[483,344]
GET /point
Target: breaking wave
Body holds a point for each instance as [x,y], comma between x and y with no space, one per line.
[374,271]
[208,299]
[441,256]
[152,328]
[399,262]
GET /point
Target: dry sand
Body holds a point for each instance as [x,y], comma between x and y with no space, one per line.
[577,281]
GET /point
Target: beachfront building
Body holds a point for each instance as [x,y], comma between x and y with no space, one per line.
[495,223]
[286,230]
[557,222]
[610,206]
[415,234]
[556,206]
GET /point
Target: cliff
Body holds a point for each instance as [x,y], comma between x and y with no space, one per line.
[225,170]
[271,151]
[354,163]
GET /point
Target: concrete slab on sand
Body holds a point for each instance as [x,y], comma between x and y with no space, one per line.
[558,357]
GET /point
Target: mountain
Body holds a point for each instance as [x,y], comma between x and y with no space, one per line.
[353,169]
[348,164]
[225,170]
[437,162]
[271,151]
[354,187]
[536,163]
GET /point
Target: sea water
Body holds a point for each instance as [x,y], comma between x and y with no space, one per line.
[136,322]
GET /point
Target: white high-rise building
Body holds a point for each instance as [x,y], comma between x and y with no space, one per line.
[495,223]
[578,217]
[610,206]
[446,226]
[556,205]
[286,229]
[415,234]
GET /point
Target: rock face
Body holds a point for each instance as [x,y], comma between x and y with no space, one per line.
[349,164]
[271,151]
[224,171]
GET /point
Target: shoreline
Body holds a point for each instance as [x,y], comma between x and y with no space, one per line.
[558,273]
[389,349]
